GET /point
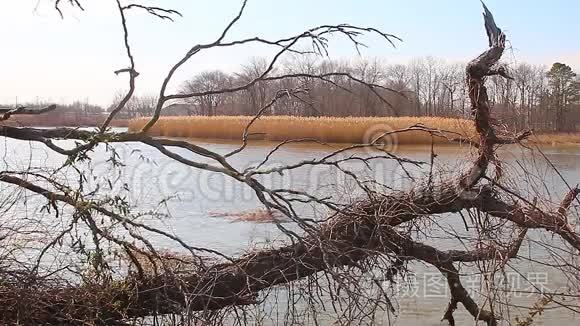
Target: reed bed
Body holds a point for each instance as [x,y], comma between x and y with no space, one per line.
[559,138]
[353,130]
[325,129]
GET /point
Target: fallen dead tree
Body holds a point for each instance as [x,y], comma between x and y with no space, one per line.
[350,237]
[346,239]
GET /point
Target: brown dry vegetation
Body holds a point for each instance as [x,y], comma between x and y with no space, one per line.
[557,138]
[257,216]
[325,129]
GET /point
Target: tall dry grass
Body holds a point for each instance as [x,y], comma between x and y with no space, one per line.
[556,138]
[325,129]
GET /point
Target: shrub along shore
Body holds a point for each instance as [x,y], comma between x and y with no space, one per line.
[325,129]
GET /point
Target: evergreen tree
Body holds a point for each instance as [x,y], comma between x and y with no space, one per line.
[564,91]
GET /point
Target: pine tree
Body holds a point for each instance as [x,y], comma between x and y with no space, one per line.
[564,91]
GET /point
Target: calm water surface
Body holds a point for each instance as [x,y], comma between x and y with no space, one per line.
[192,197]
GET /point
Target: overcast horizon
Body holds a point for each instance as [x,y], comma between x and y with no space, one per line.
[47,58]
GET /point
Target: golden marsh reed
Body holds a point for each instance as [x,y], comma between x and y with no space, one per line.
[559,138]
[325,129]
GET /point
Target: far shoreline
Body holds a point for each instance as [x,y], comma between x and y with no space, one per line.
[326,130]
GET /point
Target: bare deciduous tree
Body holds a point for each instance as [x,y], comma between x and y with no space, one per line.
[204,82]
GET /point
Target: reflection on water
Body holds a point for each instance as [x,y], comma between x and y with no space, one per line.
[192,196]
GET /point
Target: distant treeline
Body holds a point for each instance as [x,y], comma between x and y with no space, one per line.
[540,98]
[77,114]
[537,97]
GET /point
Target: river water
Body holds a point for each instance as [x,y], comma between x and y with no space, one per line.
[194,200]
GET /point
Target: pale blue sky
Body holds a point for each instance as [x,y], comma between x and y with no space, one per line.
[61,60]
